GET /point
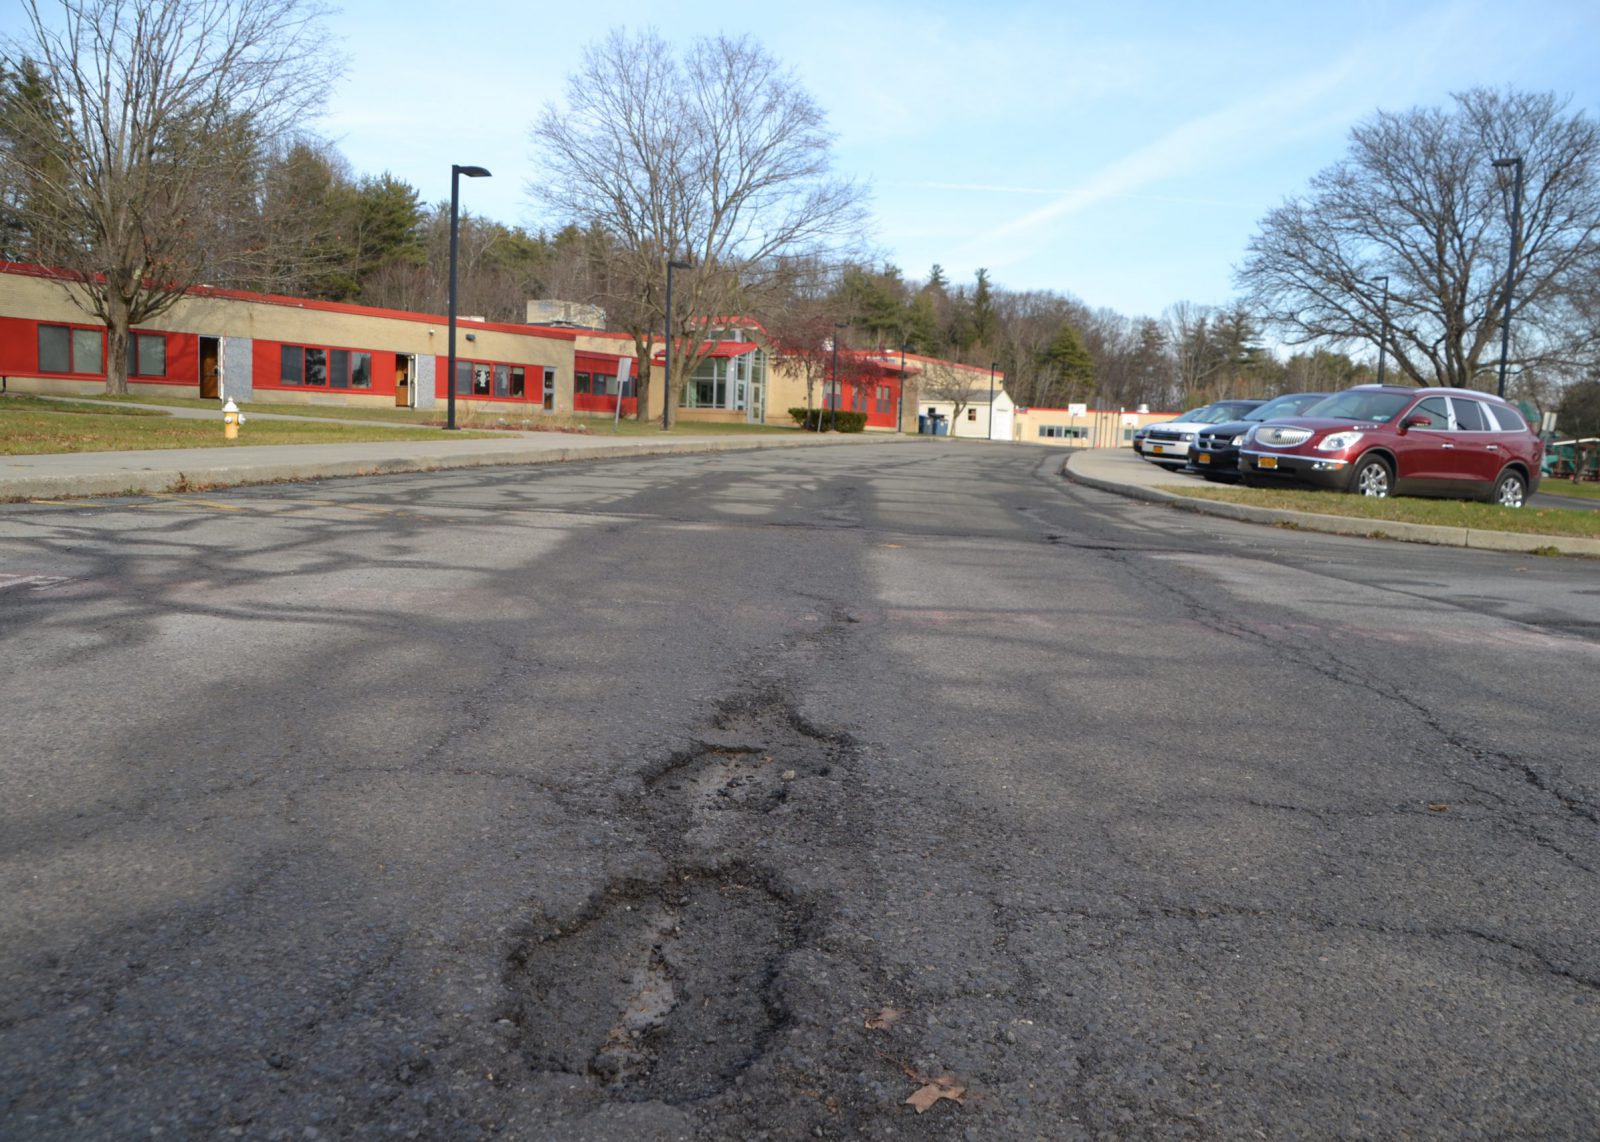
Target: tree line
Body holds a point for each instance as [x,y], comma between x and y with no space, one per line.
[150,145]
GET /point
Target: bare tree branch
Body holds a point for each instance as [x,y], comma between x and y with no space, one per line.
[156,113]
[719,158]
[1417,200]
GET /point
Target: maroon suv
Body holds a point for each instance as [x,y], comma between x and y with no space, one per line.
[1380,440]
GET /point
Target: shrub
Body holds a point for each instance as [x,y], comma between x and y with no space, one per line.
[820,420]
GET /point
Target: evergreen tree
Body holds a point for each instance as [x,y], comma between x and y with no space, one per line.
[983,315]
[1071,369]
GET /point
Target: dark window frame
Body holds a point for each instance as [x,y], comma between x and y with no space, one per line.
[138,365]
[72,333]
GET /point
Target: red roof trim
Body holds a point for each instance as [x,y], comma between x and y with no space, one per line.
[722,350]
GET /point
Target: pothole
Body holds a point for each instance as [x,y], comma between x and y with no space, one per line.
[662,991]
[712,779]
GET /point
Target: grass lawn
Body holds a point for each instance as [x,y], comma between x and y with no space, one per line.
[33,426]
[467,416]
[1406,509]
[1585,491]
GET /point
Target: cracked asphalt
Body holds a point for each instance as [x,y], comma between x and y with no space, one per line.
[611,800]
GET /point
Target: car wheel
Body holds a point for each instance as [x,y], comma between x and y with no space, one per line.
[1372,477]
[1511,490]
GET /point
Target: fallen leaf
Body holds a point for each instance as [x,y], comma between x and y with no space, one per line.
[884,1019]
[1438,808]
[945,1086]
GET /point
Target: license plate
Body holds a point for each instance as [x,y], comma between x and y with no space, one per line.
[1156,448]
[1204,458]
[1266,461]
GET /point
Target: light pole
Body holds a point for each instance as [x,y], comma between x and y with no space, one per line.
[900,399]
[993,365]
[455,226]
[1515,161]
[666,382]
[1383,338]
[838,393]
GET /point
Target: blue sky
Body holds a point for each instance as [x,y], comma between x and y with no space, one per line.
[1121,153]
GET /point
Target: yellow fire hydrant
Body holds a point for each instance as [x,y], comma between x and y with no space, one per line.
[232,418]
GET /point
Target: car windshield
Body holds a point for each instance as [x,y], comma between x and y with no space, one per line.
[1292,405]
[1353,404]
[1220,413]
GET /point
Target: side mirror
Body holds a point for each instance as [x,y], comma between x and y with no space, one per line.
[1416,422]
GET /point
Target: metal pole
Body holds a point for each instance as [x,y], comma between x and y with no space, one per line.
[456,172]
[1511,263]
[450,342]
[838,390]
[1383,338]
[900,398]
[993,365]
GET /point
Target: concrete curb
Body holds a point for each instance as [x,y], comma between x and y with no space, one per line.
[1513,541]
[158,471]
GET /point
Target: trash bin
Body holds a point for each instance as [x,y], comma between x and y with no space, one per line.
[941,425]
[923,427]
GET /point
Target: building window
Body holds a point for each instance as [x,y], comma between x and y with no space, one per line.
[549,395]
[147,355]
[313,365]
[66,349]
[1062,432]
[490,379]
[580,384]
[708,387]
[972,414]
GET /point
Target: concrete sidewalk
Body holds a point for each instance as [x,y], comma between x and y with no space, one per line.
[67,475]
[1119,470]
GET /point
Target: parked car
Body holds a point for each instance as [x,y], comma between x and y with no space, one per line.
[1216,449]
[1381,440]
[1138,438]
[1168,444]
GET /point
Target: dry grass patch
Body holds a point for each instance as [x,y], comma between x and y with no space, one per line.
[1406,509]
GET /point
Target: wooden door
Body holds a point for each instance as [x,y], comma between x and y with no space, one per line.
[210,368]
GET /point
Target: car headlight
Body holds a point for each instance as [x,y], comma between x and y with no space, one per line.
[1237,441]
[1186,436]
[1339,441]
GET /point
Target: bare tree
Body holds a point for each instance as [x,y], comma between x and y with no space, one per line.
[157,111]
[1417,201]
[943,381]
[719,158]
[1193,348]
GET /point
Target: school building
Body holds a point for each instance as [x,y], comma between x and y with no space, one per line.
[228,344]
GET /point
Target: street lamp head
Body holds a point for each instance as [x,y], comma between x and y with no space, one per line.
[470,172]
[1513,161]
[677,265]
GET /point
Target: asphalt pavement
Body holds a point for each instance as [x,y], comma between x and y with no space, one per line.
[65,476]
[783,794]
